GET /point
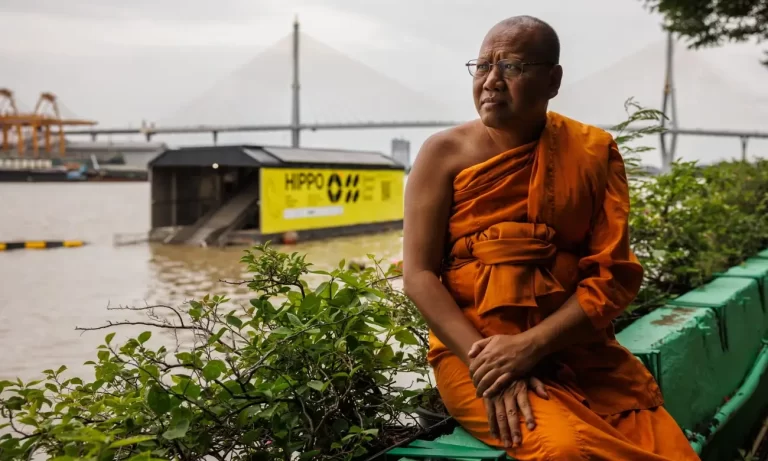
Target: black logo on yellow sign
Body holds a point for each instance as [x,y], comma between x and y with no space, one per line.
[347,189]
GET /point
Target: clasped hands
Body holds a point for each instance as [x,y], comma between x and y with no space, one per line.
[500,368]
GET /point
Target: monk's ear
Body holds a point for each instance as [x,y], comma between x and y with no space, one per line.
[555,78]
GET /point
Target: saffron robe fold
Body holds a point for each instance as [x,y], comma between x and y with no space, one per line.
[528,228]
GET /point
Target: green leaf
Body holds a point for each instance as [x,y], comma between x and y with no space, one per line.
[214,369]
[385,354]
[252,436]
[350,280]
[406,337]
[316,385]
[51,387]
[5,383]
[61,369]
[84,434]
[131,441]
[214,338]
[185,357]
[188,388]
[144,337]
[149,371]
[158,400]
[103,355]
[310,302]
[234,321]
[282,331]
[309,454]
[295,320]
[177,430]
[348,437]
[109,337]
[14,403]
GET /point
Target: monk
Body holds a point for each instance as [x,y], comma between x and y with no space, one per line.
[516,252]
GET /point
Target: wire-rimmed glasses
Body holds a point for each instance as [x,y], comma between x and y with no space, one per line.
[510,69]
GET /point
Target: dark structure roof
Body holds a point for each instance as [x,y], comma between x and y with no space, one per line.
[266,156]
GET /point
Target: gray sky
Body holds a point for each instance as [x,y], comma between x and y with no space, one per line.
[123,61]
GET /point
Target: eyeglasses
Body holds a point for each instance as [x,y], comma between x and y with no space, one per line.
[509,69]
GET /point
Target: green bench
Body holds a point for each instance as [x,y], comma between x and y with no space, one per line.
[456,445]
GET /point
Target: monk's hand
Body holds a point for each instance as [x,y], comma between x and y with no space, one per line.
[499,360]
[505,409]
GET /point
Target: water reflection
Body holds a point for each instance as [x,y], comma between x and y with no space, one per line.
[181,273]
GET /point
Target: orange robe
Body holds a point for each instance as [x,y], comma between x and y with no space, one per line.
[528,228]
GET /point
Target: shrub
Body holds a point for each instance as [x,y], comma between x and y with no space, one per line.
[692,222]
[300,371]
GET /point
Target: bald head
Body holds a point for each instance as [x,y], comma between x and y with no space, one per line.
[544,39]
[516,93]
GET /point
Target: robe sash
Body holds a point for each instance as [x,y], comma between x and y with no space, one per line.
[515,262]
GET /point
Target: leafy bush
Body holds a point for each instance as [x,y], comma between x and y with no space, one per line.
[694,222]
[298,371]
[691,222]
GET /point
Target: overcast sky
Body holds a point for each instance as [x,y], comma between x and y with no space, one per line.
[121,61]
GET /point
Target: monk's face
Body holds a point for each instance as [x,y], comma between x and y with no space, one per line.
[503,101]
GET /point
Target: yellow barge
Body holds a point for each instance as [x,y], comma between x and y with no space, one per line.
[221,195]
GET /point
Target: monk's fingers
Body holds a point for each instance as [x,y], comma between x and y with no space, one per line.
[538,387]
[477,368]
[491,413]
[478,347]
[474,365]
[481,359]
[507,422]
[513,418]
[490,410]
[498,386]
[523,402]
[484,377]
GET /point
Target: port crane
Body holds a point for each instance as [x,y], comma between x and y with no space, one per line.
[21,127]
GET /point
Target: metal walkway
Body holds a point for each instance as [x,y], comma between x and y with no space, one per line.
[221,221]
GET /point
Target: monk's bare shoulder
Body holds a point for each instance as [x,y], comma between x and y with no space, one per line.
[448,152]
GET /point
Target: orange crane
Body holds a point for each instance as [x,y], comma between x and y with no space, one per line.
[45,115]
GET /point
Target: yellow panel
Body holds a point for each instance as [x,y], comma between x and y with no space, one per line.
[34,245]
[72,243]
[2,246]
[295,199]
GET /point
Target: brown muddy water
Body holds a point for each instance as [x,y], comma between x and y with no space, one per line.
[45,294]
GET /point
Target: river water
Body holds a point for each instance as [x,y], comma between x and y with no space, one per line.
[45,294]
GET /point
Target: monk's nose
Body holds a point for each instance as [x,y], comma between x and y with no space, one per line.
[494,81]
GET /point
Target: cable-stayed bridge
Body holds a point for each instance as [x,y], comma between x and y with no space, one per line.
[316,88]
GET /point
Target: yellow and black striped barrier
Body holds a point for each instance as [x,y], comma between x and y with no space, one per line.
[40,244]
